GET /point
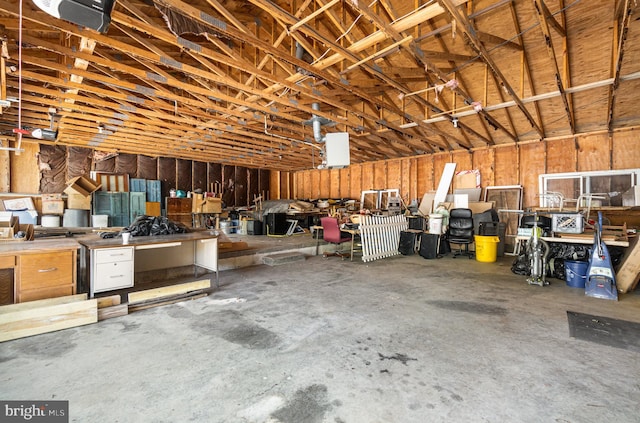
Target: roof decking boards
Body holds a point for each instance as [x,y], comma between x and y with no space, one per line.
[235,81]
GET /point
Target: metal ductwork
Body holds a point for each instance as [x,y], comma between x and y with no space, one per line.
[317,124]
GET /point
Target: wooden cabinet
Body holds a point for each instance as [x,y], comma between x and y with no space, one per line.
[112,268]
[179,210]
[45,275]
[36,270]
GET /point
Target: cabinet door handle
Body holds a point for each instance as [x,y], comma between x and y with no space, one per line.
[51,269]
[116,276]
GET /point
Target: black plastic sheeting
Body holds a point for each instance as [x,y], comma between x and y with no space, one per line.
[154,225]
[558,253]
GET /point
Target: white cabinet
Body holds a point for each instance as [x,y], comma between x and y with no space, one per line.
[112,268]
[206,255]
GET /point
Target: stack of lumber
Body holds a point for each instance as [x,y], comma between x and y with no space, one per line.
[42,316]
[141,300]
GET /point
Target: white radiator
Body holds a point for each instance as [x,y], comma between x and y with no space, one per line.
[380,235]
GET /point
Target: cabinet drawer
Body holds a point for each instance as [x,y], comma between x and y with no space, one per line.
[41,294]
[115,275]
[46,270]
[107,255]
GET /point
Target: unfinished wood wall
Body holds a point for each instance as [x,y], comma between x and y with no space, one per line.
[505,165]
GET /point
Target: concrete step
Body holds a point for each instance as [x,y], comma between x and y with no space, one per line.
[282,258]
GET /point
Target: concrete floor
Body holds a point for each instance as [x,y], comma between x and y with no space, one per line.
[401,339]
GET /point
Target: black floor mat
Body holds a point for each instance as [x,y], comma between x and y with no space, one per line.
[604,330]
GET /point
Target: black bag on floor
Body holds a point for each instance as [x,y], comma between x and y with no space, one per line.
[407,245]
[429,245]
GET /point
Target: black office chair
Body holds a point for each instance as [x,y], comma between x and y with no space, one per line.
[461,231]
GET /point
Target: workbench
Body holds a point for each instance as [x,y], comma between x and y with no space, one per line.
[109,264]
[35,270]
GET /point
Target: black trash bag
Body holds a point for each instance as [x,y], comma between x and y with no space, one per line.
[520,265]
[154,225]
[555,269]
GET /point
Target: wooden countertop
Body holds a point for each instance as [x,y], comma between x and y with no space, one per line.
[38,245]
[94,241]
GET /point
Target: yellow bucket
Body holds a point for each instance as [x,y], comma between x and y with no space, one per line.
[486,248]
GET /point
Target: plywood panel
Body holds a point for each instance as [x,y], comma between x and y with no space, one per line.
[439,162]
[345,182]
[285,185]
[380,175]
[315,183]
[301,186]
[406,186]
[298,179]
[367,177]
[394,174]
[483,161]
[424,175]
[147,167]
[5,171]
[561,156]
[274,185]
[355,181]
[325,184]
[199,176]
[626,154]
[309,189]
[463,159]
[530,167]
[593,153]
[334,183]
[507,166]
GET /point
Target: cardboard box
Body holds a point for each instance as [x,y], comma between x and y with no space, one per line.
[51,197]
[212,205]
[53,207]
[466,179]
[26,229]
[82,185]
[196,202]
[78,201]
[202,204]
[9,225]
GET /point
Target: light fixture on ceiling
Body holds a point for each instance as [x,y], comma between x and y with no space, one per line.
[454,121]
